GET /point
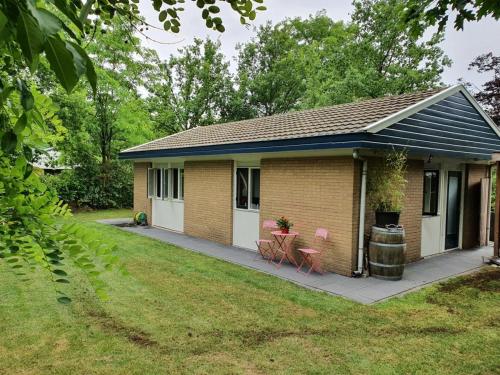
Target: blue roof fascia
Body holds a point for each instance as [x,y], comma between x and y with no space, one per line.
[296,144]
[355,140]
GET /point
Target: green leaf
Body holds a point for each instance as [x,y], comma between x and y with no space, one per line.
[9,142]
[29,36]
[89,71]
[69,12]
[64,300]
[163,15]
[21,124]
[60,272]
[78,59]
[213,9]
[62,281]
[27,100]
[61,62]
[48,22]
[157,4]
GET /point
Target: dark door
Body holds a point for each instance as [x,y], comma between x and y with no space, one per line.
[453,209]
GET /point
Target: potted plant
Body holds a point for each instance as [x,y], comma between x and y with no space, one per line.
[284,224]
[386,187]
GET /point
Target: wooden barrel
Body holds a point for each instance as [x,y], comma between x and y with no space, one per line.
[383,235]
[387,251]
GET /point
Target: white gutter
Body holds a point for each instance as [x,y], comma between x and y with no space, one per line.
[362,210]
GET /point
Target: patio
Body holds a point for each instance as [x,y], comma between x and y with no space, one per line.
[363,290]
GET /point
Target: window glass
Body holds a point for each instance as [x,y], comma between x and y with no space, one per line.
[255,191]
[165,183]
[151,183]
[431,189]
[181,171]
[242,188]
[158,183]
[175,183]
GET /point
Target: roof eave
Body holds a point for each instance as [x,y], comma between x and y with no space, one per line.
[294,144]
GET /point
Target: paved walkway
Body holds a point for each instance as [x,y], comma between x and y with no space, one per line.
[363,290]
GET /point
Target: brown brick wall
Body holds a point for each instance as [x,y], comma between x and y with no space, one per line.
[141,200]
[472,201]
[208,200]
[411,215]
[312,193]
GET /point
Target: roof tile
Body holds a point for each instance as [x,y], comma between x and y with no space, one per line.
[333,120]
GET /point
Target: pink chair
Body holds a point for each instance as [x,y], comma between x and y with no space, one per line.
[266,247]
[312,256]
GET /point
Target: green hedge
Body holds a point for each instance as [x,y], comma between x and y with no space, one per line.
[95,186]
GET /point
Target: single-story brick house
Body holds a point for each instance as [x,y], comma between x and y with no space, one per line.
[220,182]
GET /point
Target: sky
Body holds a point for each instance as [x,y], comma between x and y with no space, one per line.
[461,46]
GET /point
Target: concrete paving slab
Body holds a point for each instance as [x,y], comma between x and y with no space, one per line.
[362,290]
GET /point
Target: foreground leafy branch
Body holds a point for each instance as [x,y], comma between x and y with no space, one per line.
[31,233]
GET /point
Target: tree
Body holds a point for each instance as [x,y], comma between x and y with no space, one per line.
[306,63]
[425,13]
[489,96]
[100,125]
[371,56]
[192,89]
[271,72]
[31,31]
[392,59]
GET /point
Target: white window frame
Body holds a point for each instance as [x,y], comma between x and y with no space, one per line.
[150,182]
[165,192]
[156,195]
[235,193]
[180,190]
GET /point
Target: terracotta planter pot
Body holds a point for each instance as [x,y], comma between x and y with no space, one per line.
[285,230]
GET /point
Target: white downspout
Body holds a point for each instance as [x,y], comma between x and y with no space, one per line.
[362,209]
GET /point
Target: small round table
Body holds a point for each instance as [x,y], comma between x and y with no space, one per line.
[284,241]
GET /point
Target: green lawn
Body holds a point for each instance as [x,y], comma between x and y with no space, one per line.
[181,312]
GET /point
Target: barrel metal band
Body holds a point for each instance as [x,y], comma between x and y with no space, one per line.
[386,265]
[389,244]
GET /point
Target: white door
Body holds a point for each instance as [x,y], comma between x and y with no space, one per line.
[168,197]
[431,215]
[435,208]
[246,207]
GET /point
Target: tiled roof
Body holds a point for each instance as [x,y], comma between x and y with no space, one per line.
[338,119]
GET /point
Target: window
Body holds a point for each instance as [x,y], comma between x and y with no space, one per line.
[241,187]
[181,180]
[158,187]
[431,190]
[255,191]
[248,188]
[175,183]
[151,183]
[165,183]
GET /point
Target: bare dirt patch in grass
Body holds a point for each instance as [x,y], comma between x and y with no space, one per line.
[252,338]
[485,281]
[134,335]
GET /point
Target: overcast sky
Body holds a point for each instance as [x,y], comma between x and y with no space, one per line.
[460,46]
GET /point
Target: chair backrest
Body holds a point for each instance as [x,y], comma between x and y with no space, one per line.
[269,224]
[321,233]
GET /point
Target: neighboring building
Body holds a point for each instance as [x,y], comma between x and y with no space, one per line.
[48,162]
[219,182]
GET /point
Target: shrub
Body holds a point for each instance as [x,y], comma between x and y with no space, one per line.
[387,182]
[95,186]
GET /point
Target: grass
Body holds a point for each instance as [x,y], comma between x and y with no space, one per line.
[181,312]
[104,214]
